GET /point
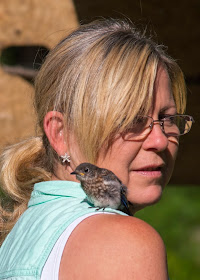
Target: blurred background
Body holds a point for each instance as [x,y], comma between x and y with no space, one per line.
[29,29]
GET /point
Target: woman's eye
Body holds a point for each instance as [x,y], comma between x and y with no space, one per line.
[163,116]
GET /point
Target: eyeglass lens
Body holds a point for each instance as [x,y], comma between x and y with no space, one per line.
[172,126]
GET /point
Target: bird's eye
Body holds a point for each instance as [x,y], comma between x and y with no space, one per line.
[86,170]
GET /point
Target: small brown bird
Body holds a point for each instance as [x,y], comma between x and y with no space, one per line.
[102,187]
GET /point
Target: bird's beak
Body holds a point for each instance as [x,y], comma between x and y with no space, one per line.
[77,173]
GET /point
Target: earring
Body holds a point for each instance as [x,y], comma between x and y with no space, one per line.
[65,158]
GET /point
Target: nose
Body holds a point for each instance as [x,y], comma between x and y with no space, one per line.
[156,139]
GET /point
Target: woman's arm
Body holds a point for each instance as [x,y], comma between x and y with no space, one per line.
[114,247]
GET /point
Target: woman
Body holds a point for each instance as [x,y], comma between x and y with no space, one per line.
[110,96]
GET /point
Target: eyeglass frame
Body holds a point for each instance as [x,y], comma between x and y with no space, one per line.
[161,123]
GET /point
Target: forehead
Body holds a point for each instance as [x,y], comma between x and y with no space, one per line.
[163,97]
[162,78]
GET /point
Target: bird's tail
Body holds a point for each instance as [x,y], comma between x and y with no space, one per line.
[124,200]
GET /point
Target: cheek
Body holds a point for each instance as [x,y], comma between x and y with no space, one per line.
[123,165]
[173,147]
[119,158]
[171,157]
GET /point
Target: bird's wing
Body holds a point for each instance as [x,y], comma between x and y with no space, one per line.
[109,176]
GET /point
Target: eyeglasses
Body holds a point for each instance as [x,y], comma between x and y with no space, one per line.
[174,125]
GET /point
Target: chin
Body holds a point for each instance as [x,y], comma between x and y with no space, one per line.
[148,197]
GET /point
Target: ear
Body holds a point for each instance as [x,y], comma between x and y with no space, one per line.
[55,132]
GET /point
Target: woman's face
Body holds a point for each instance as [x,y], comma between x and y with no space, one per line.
[145,166]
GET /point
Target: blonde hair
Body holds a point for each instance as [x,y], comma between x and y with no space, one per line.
[100,77]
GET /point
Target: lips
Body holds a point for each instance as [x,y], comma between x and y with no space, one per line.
[150,170]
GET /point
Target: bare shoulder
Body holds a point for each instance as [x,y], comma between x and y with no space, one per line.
[114,247]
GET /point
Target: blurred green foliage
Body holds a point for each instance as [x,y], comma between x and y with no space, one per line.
[177,218]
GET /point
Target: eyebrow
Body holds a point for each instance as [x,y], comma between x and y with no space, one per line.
[167,108]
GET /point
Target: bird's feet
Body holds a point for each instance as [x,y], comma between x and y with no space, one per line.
[97,208]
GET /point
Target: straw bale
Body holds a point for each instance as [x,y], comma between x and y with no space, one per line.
[27,23]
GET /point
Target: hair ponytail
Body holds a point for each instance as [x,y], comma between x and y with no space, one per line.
[22,165]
